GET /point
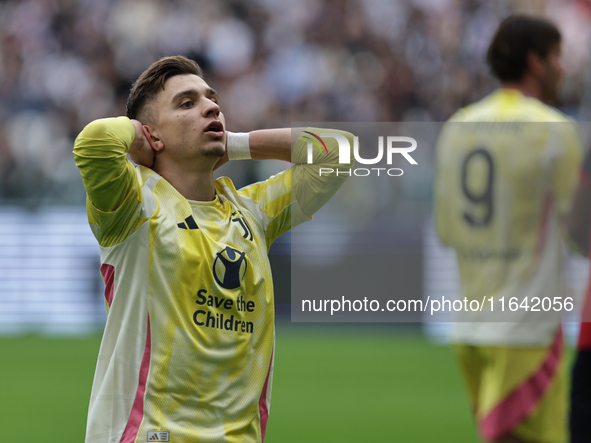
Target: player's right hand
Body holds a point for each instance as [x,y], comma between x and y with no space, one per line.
[141,150]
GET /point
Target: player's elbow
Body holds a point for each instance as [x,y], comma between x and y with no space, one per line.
[104,139]
[96,129]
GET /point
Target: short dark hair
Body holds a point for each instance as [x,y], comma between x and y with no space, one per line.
[516,36]
[152,80]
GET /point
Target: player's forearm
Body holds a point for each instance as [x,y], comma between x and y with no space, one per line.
[275,144]
[270,144]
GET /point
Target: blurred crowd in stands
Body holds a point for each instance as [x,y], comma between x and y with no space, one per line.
[64,63]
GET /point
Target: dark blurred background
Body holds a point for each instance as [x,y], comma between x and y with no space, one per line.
[64,63]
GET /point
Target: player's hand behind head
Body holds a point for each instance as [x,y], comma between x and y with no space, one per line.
[142,151]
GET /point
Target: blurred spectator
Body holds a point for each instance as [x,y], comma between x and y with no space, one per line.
[64,63]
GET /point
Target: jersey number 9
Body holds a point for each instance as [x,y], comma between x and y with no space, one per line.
[479,198]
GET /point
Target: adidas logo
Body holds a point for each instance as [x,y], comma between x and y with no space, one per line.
[190,222]
[158,436]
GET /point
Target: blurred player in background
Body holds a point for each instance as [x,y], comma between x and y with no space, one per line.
[501,194]
[187,352]
[579,224]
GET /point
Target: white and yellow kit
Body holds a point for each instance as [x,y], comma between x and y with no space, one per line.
[506,169]
[187,352]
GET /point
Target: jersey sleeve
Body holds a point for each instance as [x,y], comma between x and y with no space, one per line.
[442,187]
[296,194]
[110,179]
[567,166]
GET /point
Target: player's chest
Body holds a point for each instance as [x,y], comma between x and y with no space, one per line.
[212,266]
[209,238]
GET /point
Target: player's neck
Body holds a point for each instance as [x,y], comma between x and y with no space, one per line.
[528,87]
[192,183]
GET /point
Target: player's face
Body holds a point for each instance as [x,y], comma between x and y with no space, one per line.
[552,75]
[188,119]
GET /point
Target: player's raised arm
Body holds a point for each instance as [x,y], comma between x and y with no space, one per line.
[294,195]
[314,183]
[270,144]
[100,151]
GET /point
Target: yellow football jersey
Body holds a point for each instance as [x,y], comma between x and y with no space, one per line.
[506,168]
[187,352]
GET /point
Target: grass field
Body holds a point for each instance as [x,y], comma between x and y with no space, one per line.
[332,384]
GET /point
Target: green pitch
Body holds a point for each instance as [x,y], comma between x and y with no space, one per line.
[332,384]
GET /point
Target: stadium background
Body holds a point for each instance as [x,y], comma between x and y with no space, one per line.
[64,63]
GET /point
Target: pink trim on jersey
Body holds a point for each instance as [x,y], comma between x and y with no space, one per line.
[586,314]
[544,225]
[108,273]
[584,341]
[263,404]
[520,403]
[137,410]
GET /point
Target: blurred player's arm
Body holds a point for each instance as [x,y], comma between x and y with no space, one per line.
[579,218]
[441,193]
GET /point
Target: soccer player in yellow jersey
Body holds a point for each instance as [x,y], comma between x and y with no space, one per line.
[187,352]
[501,193]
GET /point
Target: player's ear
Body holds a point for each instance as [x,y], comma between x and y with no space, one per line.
[153,138]
[535,63]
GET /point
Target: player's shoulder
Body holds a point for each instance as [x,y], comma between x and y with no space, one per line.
[546,113]
[224,185]
[505,105]
[143,174]
[473,112]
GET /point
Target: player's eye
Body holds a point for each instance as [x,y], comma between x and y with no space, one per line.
[186,104]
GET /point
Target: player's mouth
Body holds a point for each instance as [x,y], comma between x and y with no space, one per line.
[215,128]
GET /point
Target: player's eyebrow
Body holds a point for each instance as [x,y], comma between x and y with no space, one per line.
[209,93]
[212,93]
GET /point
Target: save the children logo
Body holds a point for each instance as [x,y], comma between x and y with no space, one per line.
[228,312]
[229,268]
[394,145]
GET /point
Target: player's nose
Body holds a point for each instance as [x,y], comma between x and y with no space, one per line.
[211,108]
